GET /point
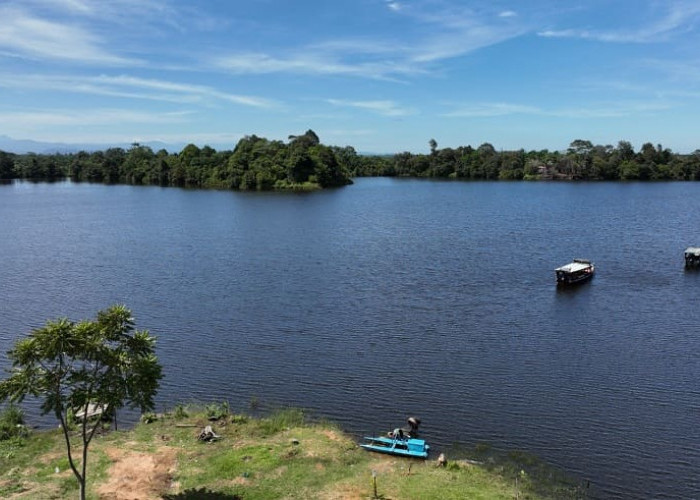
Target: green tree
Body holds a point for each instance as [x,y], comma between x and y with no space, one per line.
[136,164]
[105,362]
[580,160]
[433,146]
[299,166]
[305,141]
[625,150]
[7,165]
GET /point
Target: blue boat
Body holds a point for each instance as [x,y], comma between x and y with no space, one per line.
[404,447]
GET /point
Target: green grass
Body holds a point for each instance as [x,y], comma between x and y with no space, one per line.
[280,456]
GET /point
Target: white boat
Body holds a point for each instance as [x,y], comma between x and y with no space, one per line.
[575,272]
[692,257]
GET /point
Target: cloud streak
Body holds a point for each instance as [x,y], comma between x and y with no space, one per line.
[117,11]
[25,35]
[39,119]
[486,110]
[678,18]
[432,35]
[133,87]
[384,108]
[610,110]
[317,61]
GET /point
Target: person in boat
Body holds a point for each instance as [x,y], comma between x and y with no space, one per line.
[397,434]
[407,432]
[413,423]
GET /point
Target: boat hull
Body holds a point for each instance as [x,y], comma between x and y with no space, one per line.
[415,448]
[578,271]
[573,280]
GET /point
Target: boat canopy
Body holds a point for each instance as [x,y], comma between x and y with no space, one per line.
[694,251]
[574,267]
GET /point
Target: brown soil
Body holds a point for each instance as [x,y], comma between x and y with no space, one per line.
[138,476]
[345,492]
[332,435]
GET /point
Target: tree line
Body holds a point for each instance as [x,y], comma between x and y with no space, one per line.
[581,161]
[254,164]
[304,163]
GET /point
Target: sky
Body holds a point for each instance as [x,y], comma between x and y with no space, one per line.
[382,76]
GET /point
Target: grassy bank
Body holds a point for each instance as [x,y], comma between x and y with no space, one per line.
[281,456]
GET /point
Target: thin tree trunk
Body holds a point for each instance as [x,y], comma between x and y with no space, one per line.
[64,428]
[85,447]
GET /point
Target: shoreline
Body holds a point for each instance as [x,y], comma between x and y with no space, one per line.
[281,455]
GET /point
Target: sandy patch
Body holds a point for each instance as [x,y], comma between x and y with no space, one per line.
[50,457]
[345,492]
[279,472]
[383,465]
[332,435]
[137,476]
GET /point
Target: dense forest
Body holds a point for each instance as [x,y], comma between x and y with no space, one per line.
[304,163]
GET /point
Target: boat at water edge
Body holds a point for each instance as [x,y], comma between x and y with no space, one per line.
[404,447]
[575,272]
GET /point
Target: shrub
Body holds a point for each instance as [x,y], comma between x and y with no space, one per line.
[217,411]
[12,423]
[180,412]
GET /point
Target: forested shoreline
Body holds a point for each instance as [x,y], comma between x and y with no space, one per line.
[305,163]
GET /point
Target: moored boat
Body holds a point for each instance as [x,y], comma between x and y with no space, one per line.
[692,257]
[405,447]
[575,272]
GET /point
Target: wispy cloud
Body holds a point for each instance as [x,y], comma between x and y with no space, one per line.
[685,72]
[315,61]
[677,17]
[114,11]
[69,6]
[41,118]
[384,108]
[25,35]
[490,109]
[432,35]
[194,92]
[132,87]
[601,110]
[456,30]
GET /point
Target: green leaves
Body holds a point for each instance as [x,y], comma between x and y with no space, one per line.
[72,365]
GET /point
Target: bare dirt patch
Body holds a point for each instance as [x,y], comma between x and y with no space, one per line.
[332,435]
[345,492]
[47,458]
[136,475]
[279,471]
[384,465]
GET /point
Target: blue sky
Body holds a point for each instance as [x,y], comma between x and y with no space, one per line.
[383,76]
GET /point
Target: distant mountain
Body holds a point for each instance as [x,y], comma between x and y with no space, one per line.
[22,146]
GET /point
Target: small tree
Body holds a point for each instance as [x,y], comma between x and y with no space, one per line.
[106,363]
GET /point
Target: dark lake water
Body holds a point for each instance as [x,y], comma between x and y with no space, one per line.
[392,298]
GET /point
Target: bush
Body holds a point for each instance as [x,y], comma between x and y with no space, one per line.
[149,417]
[281,420]
[12,423]
[180,412]
[217,411]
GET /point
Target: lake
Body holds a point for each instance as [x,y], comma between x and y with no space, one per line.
[391,298]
